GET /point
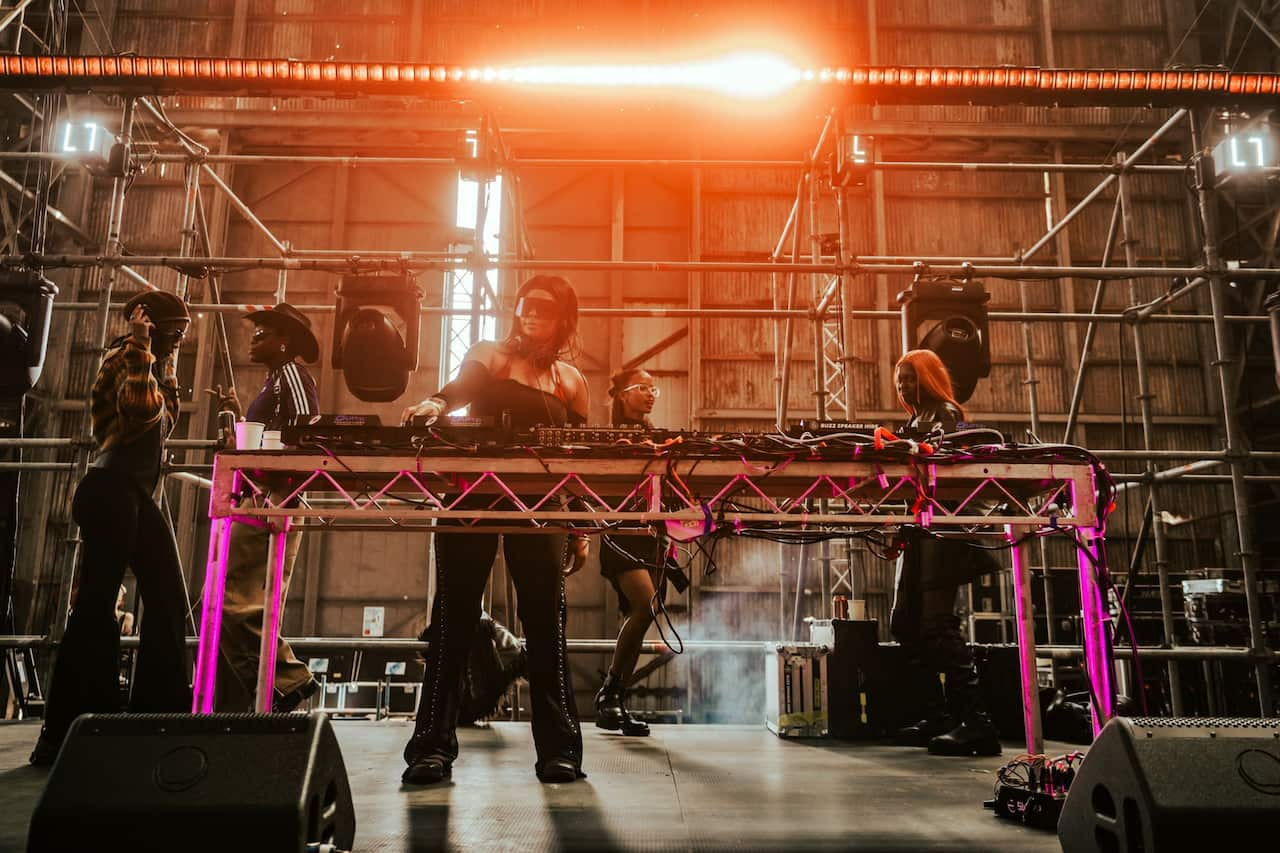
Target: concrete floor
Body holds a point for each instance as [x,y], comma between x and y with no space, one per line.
[686,788]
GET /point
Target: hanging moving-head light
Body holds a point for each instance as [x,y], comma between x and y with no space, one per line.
[26,308]
[375,353]
[957,311]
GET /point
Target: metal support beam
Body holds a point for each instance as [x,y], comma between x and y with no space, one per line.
[1129,161]
[1128,239]
[245,211]
[115,221]
[1236,449]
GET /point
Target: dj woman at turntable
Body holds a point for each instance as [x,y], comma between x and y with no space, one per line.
[930,573]
[523,378]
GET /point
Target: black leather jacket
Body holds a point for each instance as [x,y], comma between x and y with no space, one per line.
[942,416]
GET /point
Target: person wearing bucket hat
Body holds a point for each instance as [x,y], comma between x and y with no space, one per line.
[281,334]
[134,407]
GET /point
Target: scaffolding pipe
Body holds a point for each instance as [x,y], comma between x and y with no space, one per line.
[353,263]
[783,368]
[846,312]
[1181,653]
[604,646]
[544,162]
[295,252]
[115,222]
[12,14]
[788,231]
[1099,288]
[742,313]
[1190,287]
[1201,479]
[1128,239]
[1236,452]
[782,371]
[817,296]
[186,443]
[1076,168]
[1130,481]
[189,239]
[826,297]
[245,211]
[1123,165]
[220,326]
[1268,455]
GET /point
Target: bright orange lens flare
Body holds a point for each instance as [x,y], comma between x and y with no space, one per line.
[745,75]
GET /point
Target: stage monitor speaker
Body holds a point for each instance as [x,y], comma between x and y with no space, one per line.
[177,782]
[1152,784]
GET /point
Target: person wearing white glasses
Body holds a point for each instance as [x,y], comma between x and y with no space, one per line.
[633,565]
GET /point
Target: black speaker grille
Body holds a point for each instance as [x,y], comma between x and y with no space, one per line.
[1205,722]
[119,724]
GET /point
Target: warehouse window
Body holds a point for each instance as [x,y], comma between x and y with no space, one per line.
[463,290]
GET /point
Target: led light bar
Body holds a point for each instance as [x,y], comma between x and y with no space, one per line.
[741,75]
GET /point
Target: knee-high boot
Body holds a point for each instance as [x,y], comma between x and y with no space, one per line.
[945,648]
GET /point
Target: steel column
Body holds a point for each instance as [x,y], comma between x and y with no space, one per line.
[1128,240]
[1237,454]
[115,219]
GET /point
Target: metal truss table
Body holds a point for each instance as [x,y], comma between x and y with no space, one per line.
[522,492]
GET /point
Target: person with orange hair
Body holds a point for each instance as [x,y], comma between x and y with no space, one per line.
[930,573]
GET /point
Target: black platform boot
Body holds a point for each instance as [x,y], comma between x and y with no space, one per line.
[920,733]
[936,720]
[611,714]
[975,734]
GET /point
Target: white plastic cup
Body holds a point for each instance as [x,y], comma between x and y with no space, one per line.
[271,440]
[858,609]
[249,435]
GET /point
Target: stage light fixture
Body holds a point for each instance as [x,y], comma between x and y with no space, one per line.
[959,334]
[26,308]
[375,353]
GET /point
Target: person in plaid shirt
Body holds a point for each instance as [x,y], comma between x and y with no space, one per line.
[134,408]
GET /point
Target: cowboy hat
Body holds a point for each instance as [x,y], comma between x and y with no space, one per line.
[291,323]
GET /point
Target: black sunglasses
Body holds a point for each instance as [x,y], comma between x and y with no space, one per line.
[174,333]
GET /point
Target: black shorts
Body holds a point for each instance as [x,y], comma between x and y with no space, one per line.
[621,554]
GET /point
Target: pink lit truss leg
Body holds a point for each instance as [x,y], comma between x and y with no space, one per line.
[1026,631]
[215,584]
[272,601]
[1097,642]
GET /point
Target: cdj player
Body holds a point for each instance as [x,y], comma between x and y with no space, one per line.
[367,432]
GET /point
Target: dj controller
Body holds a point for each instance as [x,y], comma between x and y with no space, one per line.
[491,437]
